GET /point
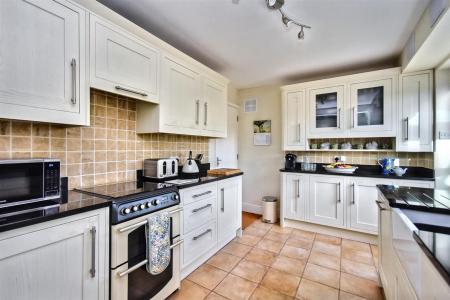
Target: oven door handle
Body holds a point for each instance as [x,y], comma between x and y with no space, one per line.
[128,228]
[137,266]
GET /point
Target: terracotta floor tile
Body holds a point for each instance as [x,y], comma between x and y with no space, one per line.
[255,231]
[236,249]
[276,236]
[360,286]
[329,239]
[289,265]
[327,248]
[262,293]
[261,225]
[282,282]
[250,270]
[294,252]
[207,276]
[235,288]
[224,261]
[260,256]
[359,269]
[355,245]
[300,242]
[189,290]
[325,260]
[279,229]
[247,239]
[270,245]
[322,275]
[303,233]
[358,256]
[310,290]
[347,296]
[213,296]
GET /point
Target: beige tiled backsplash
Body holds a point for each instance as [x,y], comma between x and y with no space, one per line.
[108,151]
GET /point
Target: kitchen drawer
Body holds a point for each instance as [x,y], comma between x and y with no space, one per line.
[198,213]
[198,193]
[199,241]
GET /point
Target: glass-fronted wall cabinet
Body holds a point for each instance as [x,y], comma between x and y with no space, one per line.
[326,115]
[371,106]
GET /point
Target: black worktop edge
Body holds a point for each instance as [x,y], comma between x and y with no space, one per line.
[209,179]
[370,171]
[432,258]
[55,216]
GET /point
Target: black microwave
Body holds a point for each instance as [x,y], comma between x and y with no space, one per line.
[29,180]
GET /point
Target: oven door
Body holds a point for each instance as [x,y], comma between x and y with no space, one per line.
[21,182]
[129,277]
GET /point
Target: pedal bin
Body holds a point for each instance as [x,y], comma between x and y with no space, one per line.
[269,205]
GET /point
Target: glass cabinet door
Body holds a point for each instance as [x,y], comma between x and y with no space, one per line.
[371,107]
[326,110]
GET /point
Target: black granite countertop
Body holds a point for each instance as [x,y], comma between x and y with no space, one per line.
[74,203]
[413,173]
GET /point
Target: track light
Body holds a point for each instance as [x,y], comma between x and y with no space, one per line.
[274,4]
[286,21]
[277,4]
[301,34]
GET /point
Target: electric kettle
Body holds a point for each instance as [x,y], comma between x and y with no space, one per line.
[190,166]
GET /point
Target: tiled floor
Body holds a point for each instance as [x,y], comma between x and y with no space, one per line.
[270,262]
[248,219]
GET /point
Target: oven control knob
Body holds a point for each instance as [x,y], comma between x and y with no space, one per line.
[135,208]
[149,204]
[142,206]
[126,211]
[175,197]
[156,202]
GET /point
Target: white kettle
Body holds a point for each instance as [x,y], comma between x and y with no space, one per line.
[190,166]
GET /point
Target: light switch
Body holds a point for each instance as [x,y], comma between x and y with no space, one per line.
[444,135]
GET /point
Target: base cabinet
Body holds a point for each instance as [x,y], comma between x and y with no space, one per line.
[229,194]
[295,193]
[61,259]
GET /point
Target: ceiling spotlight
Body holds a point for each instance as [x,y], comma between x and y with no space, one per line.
[286,21]
[301,34]
[274,4]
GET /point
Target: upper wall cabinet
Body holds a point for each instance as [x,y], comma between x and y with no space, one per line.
[122,63]
[415,121]
[294,129]
[43,63]
[191,102]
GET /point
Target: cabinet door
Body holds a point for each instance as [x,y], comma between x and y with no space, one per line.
[61,257]
[416,113]
[361,198]
[42,74]
[372,108]
[121,63]
[386,250]
[228,214]
[294,121]
[295,196]
[180,93]
[326,111]
[326,199]
[214,107]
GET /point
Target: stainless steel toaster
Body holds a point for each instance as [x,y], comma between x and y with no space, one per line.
[160,167]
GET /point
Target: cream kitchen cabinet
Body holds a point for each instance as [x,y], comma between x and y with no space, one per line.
[294,121]
[44,65]
[229,209]
[415,112]
[121,63]
[295,194]
[191,103]
[326,200]
[65,258]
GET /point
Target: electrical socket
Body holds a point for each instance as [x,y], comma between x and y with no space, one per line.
[444,135]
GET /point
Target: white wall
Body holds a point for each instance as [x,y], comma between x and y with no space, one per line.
[441,157]
[260,164]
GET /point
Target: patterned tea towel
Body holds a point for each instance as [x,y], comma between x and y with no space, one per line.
[157,234]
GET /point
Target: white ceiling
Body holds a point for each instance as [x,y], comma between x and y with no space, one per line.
[248,43]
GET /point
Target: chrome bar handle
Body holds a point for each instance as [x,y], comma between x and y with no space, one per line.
[353,199]
[197,111]
[353,117]
[73,65]
[93,245]
[298,188]
[407,128]
[206,114]
[133,226]
[176,211]
[201,194]
[118,87]
[201,234]
[135,267]
[177,244]
[201,208]
[222,205]
[299,132]
[339,118]
[418,102]
[338,186]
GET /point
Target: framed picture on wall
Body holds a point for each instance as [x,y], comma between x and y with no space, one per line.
[262,132]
